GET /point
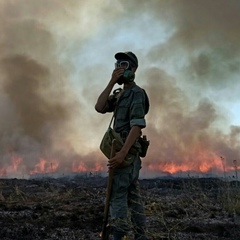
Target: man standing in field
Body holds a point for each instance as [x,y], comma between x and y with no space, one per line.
[130,106]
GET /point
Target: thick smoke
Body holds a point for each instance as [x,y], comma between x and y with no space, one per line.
[36,102]
[191,124]
[182,134]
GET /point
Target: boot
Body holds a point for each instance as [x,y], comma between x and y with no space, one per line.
[140,234]
[118,235]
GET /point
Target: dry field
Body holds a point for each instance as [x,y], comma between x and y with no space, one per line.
[72,208]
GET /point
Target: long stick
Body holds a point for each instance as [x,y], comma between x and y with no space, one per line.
[106,228]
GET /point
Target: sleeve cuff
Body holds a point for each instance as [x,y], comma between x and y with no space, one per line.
[138,122]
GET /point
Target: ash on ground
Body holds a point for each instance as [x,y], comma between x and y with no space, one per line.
[72,208]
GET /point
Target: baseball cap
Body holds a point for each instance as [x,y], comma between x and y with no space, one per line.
[127,56]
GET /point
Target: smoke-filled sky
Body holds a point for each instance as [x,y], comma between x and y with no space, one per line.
[57,56]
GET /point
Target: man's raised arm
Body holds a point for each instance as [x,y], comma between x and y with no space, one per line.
[101,103]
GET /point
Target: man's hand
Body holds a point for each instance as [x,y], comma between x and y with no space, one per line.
[116,160]
[117,73]
[103,97]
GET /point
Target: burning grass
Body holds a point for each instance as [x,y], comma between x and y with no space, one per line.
[73,208]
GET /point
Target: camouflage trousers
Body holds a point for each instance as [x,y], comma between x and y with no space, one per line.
[126,207]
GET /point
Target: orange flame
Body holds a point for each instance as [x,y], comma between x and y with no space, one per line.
[203,162]
[81,167]
[43,166]
[16,161]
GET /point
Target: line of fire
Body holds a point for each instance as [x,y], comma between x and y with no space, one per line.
[213,166]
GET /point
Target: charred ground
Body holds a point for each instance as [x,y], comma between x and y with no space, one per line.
[72,208]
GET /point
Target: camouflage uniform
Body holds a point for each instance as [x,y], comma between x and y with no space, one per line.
[130,110]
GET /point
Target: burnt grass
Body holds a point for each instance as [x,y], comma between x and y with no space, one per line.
[72,208]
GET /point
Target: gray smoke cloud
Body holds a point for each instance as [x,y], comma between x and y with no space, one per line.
[37,103]
[189,71]
[192,123]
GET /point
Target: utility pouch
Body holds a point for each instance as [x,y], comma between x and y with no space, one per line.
[106,143]
[144,145]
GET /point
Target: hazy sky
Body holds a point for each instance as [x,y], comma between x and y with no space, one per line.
[57,56]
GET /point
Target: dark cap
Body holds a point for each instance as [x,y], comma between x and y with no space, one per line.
[127,56]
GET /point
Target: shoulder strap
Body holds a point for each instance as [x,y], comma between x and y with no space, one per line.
[111,120]
[117,92]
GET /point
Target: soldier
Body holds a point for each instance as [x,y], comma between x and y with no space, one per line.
[130,107]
